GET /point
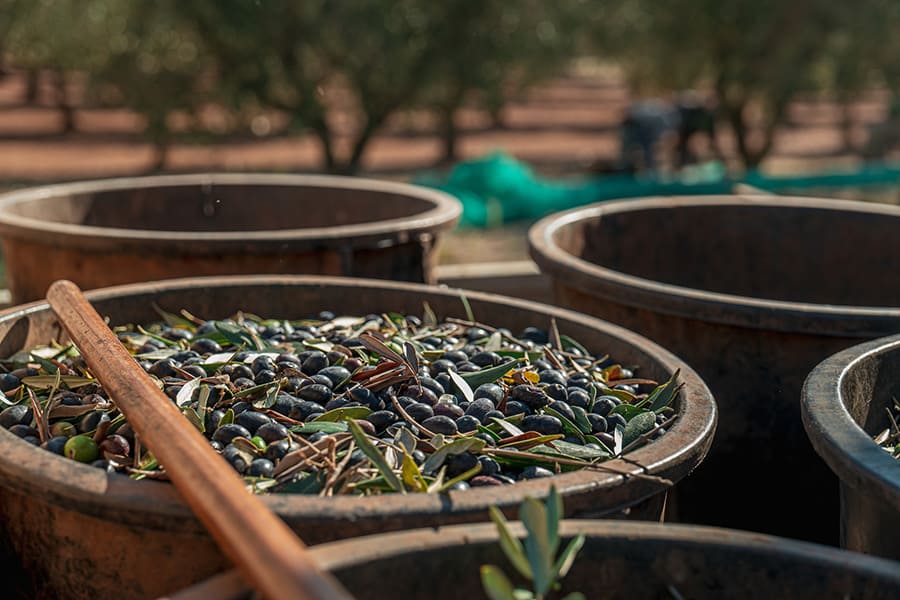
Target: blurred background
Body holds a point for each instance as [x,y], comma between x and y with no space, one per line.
[519,108]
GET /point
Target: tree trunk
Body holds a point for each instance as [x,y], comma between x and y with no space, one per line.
[846,123]
[323,135]
[449,136]
[158,132]
[62,101]
[352,166]
[32,86]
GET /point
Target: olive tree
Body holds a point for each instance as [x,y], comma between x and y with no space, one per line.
[493,50]
[367,58]
[136,54]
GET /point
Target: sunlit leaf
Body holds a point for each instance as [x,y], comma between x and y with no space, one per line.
[429,319]
[411,474]
[462,385]
[187,391]
[45,382]
[567,558]
[194,417]
[505,425]
[495,583]
[345,413]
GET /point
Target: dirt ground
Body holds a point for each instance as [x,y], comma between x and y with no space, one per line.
[559,129]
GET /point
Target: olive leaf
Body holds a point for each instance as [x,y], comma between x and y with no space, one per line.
[574,451]
[568,342]
[187,391]
[329,427]
[510,544]
[494,342]
[376,457]
[505,425]
[581,420]
[44,382]
[194,417]
[437,458]
[629,411]
[535,558]
[429,319]
[465,301]
[638,426]
[537,544]
[462,385]
[158,338]
[411,474]
[476,378]
[344,414]
[662,396]
[496,584]
[172,319]
[567,559]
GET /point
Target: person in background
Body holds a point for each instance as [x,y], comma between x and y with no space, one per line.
[884,135]
[651,127]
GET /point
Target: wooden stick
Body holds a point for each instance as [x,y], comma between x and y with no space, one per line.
[260,544]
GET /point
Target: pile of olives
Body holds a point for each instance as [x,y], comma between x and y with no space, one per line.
[350,404]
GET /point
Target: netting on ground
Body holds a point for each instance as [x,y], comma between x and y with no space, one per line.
[498,189]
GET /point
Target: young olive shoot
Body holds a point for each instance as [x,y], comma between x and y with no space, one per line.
[350,404]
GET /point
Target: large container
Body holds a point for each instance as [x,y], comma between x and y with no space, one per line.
[620,560]
[127,230]
[752,291]
[845,404]
[79,532]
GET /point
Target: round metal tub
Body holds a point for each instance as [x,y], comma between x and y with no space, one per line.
[620,560]
[78,532]
[752,291]
[845,405]
[126,230]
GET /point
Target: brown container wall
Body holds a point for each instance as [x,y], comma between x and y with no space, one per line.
[753,291]
[56,514]
[622,560]
[128,230]
[846,399]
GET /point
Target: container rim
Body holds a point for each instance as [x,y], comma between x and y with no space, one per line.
[102,494]
[841,442]
[444,212]
[693,303]
[348,552]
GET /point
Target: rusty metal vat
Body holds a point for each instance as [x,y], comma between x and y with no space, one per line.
[845,403]
[752,291]
[619,560]
[78,532]
[127,230]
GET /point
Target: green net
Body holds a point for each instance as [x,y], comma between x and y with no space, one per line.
[498,189]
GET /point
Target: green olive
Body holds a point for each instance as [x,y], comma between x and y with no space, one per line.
[82,448]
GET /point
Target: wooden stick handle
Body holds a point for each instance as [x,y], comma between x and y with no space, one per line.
[264,548]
